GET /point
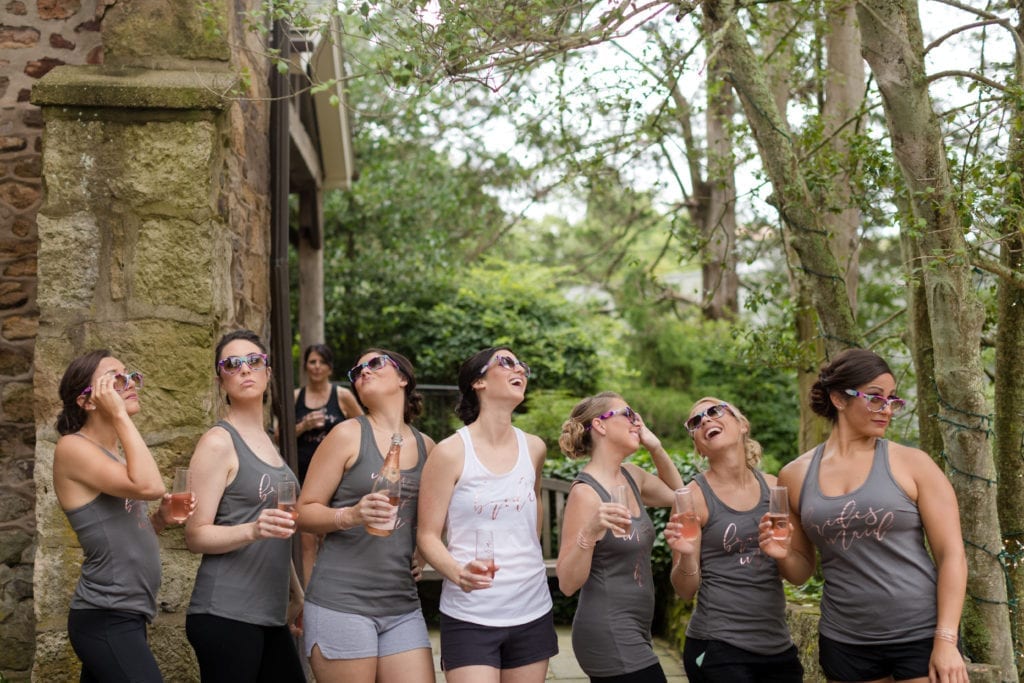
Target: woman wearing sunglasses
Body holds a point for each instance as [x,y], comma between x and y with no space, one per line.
[363,621]
[606,547]
[738,631]
[104,494]
[889,611]
[246,594]
[319,406]
[496,621]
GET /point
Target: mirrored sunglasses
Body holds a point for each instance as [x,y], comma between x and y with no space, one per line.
[877,404]
[373,365]
[714,412]
[507,362]
[627,412]
[121,381]
[232,364]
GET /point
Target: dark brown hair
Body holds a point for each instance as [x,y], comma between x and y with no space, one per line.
[76,378]
[848,370]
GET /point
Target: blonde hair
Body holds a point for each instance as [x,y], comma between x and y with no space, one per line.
[752,449]
[576,441]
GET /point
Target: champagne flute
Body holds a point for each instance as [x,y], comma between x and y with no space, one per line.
[619,496]
[778,512]
[485,549]
[286,498]
[181,495]
[687,515]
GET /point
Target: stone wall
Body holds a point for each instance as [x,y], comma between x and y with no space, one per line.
[34,37]
[153,239]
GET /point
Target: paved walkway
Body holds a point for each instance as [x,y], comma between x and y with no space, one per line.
[564,668]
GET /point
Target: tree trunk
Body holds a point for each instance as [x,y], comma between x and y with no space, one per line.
[718,259]
[1009,383]
[801,212]
[844,94]
[893,47]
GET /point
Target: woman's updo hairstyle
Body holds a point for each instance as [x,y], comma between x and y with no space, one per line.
[752,449]
[76,378]
[848,370]
[413,399]
[468,407]
[576,440]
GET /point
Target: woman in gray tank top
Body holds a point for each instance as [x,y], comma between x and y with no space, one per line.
[738,630]
[605,550]
[246,593]
[890,609]
[363,619]
[104,497]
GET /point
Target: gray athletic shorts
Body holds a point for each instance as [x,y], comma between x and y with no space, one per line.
[341,635]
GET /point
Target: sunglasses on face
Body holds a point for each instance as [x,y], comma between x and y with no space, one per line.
[373,365]
[232,364]
[714,412]
[877,404]
[627,412]
[507,362]
[121,382]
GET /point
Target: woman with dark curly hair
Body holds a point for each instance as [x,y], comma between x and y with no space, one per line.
[496,620]
[605,550]
[890,610]
[362,619]
[104,494]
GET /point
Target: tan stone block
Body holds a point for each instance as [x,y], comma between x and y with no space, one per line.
[17,402]
[172,651]
[179,568]
[60,42]
[56,573]
[55,660]
[11,250]
[20,327]
[15,362]
[17,8]
[22,227]
[68,262]
[178,276]
[37,68]
[12,294]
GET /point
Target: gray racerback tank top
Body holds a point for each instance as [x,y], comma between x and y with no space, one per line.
[879,579]
[357,572]
[611,632]
[121,567]
[740,600]
[249,584]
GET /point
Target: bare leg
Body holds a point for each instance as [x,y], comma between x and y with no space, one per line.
[474,674]
[531,673]
[342,670]
[411,666]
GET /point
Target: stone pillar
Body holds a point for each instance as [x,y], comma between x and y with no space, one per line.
[34,37]
[153,240]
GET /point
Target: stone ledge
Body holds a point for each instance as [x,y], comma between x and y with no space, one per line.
[132,88]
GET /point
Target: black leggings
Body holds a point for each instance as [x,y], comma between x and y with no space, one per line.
[650,674]
[112,646]
[237,652]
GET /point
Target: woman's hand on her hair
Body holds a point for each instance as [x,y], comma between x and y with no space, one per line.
[674,537]
[274,523]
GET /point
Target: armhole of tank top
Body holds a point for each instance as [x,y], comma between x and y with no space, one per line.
[711,502]
[587,480]
[421,447]
[633,485]
[811,473]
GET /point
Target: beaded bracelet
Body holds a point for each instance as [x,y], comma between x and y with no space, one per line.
[582,541]
[337,520]
[946,634]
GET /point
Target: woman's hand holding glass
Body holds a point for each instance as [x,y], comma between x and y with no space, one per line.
[774,528]
[274,523]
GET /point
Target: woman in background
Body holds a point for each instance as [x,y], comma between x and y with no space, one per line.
[319,406]
[611,631]
[103,495]
[363,621]
[246,593]
[738,631]
[496,620]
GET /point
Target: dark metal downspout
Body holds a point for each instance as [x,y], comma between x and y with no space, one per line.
[280,315]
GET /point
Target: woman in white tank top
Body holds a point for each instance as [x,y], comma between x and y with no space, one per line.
[496,621]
